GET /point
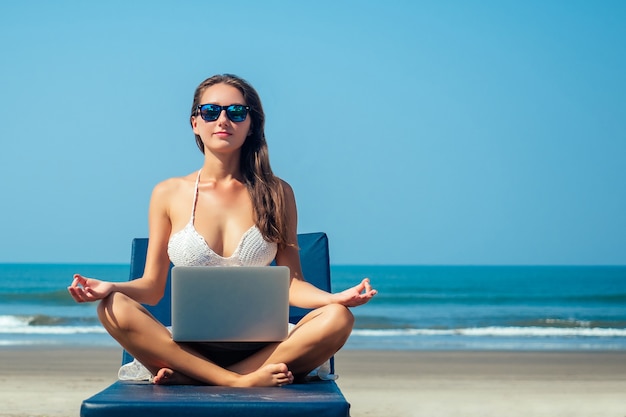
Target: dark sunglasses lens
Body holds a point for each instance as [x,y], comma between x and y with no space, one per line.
[237,113]
[210,112]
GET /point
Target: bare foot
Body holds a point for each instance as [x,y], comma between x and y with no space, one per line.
[268,376]
[166,376]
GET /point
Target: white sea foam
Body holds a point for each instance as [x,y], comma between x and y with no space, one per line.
[13,321]
[15,325]
[497,332]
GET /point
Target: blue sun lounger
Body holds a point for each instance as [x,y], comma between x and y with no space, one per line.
[143,399]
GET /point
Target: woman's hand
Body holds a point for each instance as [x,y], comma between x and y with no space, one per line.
[355,296]
[85,290]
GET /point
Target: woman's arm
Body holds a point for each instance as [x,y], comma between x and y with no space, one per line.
[148,289]
[301,293]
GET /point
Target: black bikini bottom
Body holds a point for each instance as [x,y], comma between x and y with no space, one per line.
[225,354]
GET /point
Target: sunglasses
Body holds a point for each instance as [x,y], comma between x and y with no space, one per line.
[211,112]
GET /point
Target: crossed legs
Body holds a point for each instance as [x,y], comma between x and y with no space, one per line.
[316,338]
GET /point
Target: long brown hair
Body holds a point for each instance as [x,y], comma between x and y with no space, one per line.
[266,189]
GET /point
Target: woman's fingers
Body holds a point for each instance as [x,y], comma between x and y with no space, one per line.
[79,290]
[366,288]
[365,291]
[77,293]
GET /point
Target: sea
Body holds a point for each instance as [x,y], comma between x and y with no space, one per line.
[520,308]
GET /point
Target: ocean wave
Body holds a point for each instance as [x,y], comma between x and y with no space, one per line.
[570,323]
[495,331]
[41,324]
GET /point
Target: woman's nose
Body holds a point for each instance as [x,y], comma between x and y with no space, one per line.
[223,117]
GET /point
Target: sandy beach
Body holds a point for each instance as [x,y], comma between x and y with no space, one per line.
[53,382]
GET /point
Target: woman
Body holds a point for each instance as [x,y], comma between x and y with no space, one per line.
[233,211]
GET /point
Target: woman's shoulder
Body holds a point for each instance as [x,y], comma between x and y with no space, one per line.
[174,185]
[287,190]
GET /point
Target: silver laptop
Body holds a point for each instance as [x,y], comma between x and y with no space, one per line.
[230,304]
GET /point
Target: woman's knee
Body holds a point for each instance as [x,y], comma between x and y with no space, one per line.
[340,316]
[114,309]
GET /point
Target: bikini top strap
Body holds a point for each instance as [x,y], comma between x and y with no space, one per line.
[195,196]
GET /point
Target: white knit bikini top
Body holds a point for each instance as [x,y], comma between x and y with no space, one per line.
[187,247]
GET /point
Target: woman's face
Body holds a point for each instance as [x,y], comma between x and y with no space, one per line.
[221,135]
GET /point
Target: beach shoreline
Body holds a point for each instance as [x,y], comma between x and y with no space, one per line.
[53,381]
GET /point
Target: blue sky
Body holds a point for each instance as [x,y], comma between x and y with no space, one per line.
[413,132]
